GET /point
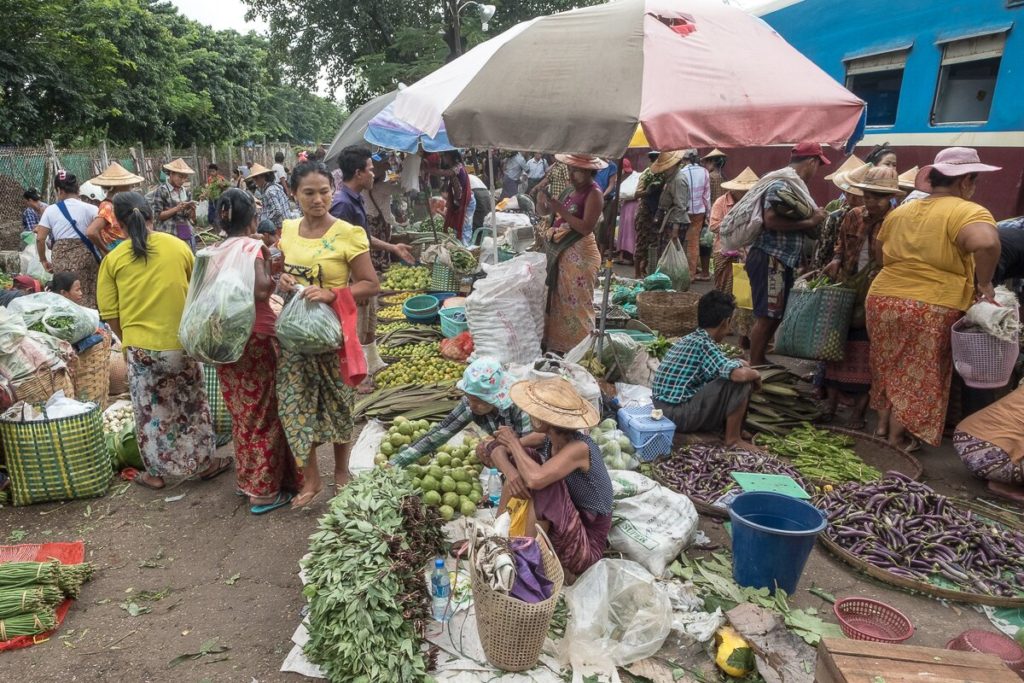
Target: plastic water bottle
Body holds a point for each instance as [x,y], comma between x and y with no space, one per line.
[440,590]
[494,487]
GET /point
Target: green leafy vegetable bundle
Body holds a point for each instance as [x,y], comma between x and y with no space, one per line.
[55,315]
[221,308]
[368,597]
[308,327]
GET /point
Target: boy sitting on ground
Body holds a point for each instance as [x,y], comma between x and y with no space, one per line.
[697,386]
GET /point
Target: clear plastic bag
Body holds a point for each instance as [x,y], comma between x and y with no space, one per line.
[674,264]
[221,307]
[308,327]
[56,316]
[619,615]
[12,331]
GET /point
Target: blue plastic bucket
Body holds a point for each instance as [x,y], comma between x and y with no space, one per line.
[772,537]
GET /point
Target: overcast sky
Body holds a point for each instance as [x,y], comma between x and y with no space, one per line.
[224,14]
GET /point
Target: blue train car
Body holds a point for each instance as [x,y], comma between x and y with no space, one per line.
[935,73]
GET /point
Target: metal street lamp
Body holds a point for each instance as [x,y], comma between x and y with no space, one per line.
[486,14]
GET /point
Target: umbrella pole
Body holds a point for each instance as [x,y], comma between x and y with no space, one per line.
[494,205]
[608,264]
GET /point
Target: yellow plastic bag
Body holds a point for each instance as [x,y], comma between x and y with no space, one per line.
[741,287]
[517,510]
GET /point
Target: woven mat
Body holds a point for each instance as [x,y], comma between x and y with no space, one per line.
[66,553]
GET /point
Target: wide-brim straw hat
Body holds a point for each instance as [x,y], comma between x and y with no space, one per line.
[556,402]
[953,162]
[258,170]
[714,154]
[667,160]
[880,180]
[744,181]
[847,180]
[179,166]
[116,175]
[584,161]
[908,178]
[852,162]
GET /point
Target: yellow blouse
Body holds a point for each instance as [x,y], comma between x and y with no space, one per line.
[325,261]
[921,259]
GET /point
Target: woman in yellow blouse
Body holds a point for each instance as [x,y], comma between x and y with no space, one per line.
[322,254]
[141,295]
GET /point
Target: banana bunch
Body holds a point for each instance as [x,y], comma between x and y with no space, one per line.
[593,365]
[412,402]
[781,404]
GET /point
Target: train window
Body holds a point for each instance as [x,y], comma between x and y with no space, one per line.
[877,79]
[967,79]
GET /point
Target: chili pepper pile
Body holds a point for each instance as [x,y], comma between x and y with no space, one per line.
[702,471]
[909,530]
[822,455]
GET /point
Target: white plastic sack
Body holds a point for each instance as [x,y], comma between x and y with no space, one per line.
[56,316]
[12,331]
[507,221]
[581,380]
[221,307]
[367,446]
[620,615]
[650,523]
[673,263]
[627,190]
[31,266]
[505,312]
[1001,319]
[625,359]
[633,395]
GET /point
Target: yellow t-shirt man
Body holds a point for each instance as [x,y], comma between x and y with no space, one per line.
[921,260]
[147,295]
[323,262]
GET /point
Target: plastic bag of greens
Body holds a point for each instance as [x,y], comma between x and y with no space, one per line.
[12,331]
[308,327]
[657,282]
[56,316]
[221,306]
[674,264]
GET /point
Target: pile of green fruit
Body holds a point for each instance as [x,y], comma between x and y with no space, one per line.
[419,370]
[399,278]
[402,433]
[406,351]
[449,479]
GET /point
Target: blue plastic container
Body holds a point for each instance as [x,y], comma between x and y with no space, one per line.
[772,537]
[651,438]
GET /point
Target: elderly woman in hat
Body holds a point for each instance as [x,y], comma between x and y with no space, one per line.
[573,258]
[485,403]
[850,197]
[854,264]
[270,194]
[174,212]
[104,230]
[558,470]
[939,255]
[732,191]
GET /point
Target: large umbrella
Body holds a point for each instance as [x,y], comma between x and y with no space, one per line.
[384,130]
[692,73]
[353,131]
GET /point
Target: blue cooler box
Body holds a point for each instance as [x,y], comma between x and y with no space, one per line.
[651,438]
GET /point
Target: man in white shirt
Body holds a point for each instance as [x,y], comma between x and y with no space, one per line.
[514,168]
[700,206]
[536,169]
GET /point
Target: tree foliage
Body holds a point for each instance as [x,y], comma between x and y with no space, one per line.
[136,70]
[370,46]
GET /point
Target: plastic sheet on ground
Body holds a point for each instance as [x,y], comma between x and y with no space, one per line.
[367,446]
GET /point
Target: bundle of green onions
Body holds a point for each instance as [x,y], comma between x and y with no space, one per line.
[27,624]
[30,591]
[15,601]
[68,577]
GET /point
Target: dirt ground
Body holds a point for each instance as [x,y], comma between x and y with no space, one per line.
[230,581]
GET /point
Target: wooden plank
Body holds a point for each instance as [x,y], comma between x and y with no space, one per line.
[908,653]
[890,670]
[862,676]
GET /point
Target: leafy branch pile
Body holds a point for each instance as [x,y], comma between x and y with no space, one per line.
[31,591]
[822,455]
[369,603]
[713,577]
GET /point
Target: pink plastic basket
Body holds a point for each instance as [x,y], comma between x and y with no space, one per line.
[866,619]
[983,361]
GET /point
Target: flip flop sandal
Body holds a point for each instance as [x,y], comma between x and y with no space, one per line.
[217,472]
[307,503]
[912,446]
[279,502]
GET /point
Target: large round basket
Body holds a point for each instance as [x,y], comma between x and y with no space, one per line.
[43,384]
[673,314]
[512,632]
[91,374]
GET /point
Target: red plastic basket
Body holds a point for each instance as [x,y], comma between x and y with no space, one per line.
[987,642]
[865,619]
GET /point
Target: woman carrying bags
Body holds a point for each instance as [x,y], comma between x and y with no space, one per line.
[264,467]
[331,260]
[65,222]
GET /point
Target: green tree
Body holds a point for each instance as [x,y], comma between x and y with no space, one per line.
[370,46]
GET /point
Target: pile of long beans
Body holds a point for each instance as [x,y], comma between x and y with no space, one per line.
[911,531]
[29,592]
[702,471]
[821,455]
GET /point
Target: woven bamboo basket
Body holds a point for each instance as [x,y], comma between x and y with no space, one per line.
[118,374]
[91,373]
[443,278]
[673,314]
[43,384]
[512,632]
[62,459]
